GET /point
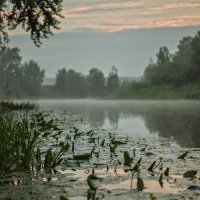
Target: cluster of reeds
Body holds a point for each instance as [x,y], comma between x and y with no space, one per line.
[22,143]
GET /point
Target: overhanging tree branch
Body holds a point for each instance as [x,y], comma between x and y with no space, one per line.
[37,17]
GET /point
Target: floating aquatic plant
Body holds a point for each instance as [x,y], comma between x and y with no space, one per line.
[127,159]
[183,155]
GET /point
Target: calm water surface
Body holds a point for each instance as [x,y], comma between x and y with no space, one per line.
[177,120]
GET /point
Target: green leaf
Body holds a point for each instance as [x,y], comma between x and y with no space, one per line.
[143,149]
[48,159]
[193,187]
[90,182]
[113,148]
[183,155]
[66,147]
[127,159]
[103,143]
[189,174]
[85,156]
[166,173]
[113,141]
[151,166]
[63,198]
[140,184]
[137,165]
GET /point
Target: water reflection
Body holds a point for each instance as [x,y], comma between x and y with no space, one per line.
[178,120]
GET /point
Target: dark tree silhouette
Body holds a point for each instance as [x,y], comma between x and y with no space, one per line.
[37,17]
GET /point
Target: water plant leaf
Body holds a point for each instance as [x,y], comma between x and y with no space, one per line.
[102,143]
[194,187]
[118,142]
[63,198]
[89,132]
[143,149]
[65,147]
[85,156]
[137,165]
[149,154]
[127,159]
[161,180]
[151,166]
[140,184]
[113,148]
[189,174]
[166,173]
[90,182]
[48,159]
[91,140]
[183,155]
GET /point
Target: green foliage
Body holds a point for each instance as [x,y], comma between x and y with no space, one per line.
[151,167]
[96,82]
[17,79]
[178,69]
[70,84]
[85,156]
[32,78]
[189,174]
[183,155]
[140,184]
[36,17]
[20,142]
[166,173]
[127,159]
[73,84]
[13,106]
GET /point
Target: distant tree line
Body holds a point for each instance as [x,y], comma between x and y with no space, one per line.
[70,83]
[178,69]
[18,79]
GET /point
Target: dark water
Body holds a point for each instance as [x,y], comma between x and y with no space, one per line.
[177,120]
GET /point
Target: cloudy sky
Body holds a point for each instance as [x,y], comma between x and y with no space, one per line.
[103,33]
[118,15]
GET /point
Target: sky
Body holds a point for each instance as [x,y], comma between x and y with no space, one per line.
[103,33]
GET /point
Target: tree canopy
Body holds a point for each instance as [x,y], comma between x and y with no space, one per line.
[17,79]
[36,17]
[180,68]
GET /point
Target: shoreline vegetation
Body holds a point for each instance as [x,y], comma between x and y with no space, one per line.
[170,76]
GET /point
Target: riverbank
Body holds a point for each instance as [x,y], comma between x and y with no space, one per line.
[144,91]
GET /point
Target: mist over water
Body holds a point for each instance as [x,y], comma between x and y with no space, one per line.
[177,120]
